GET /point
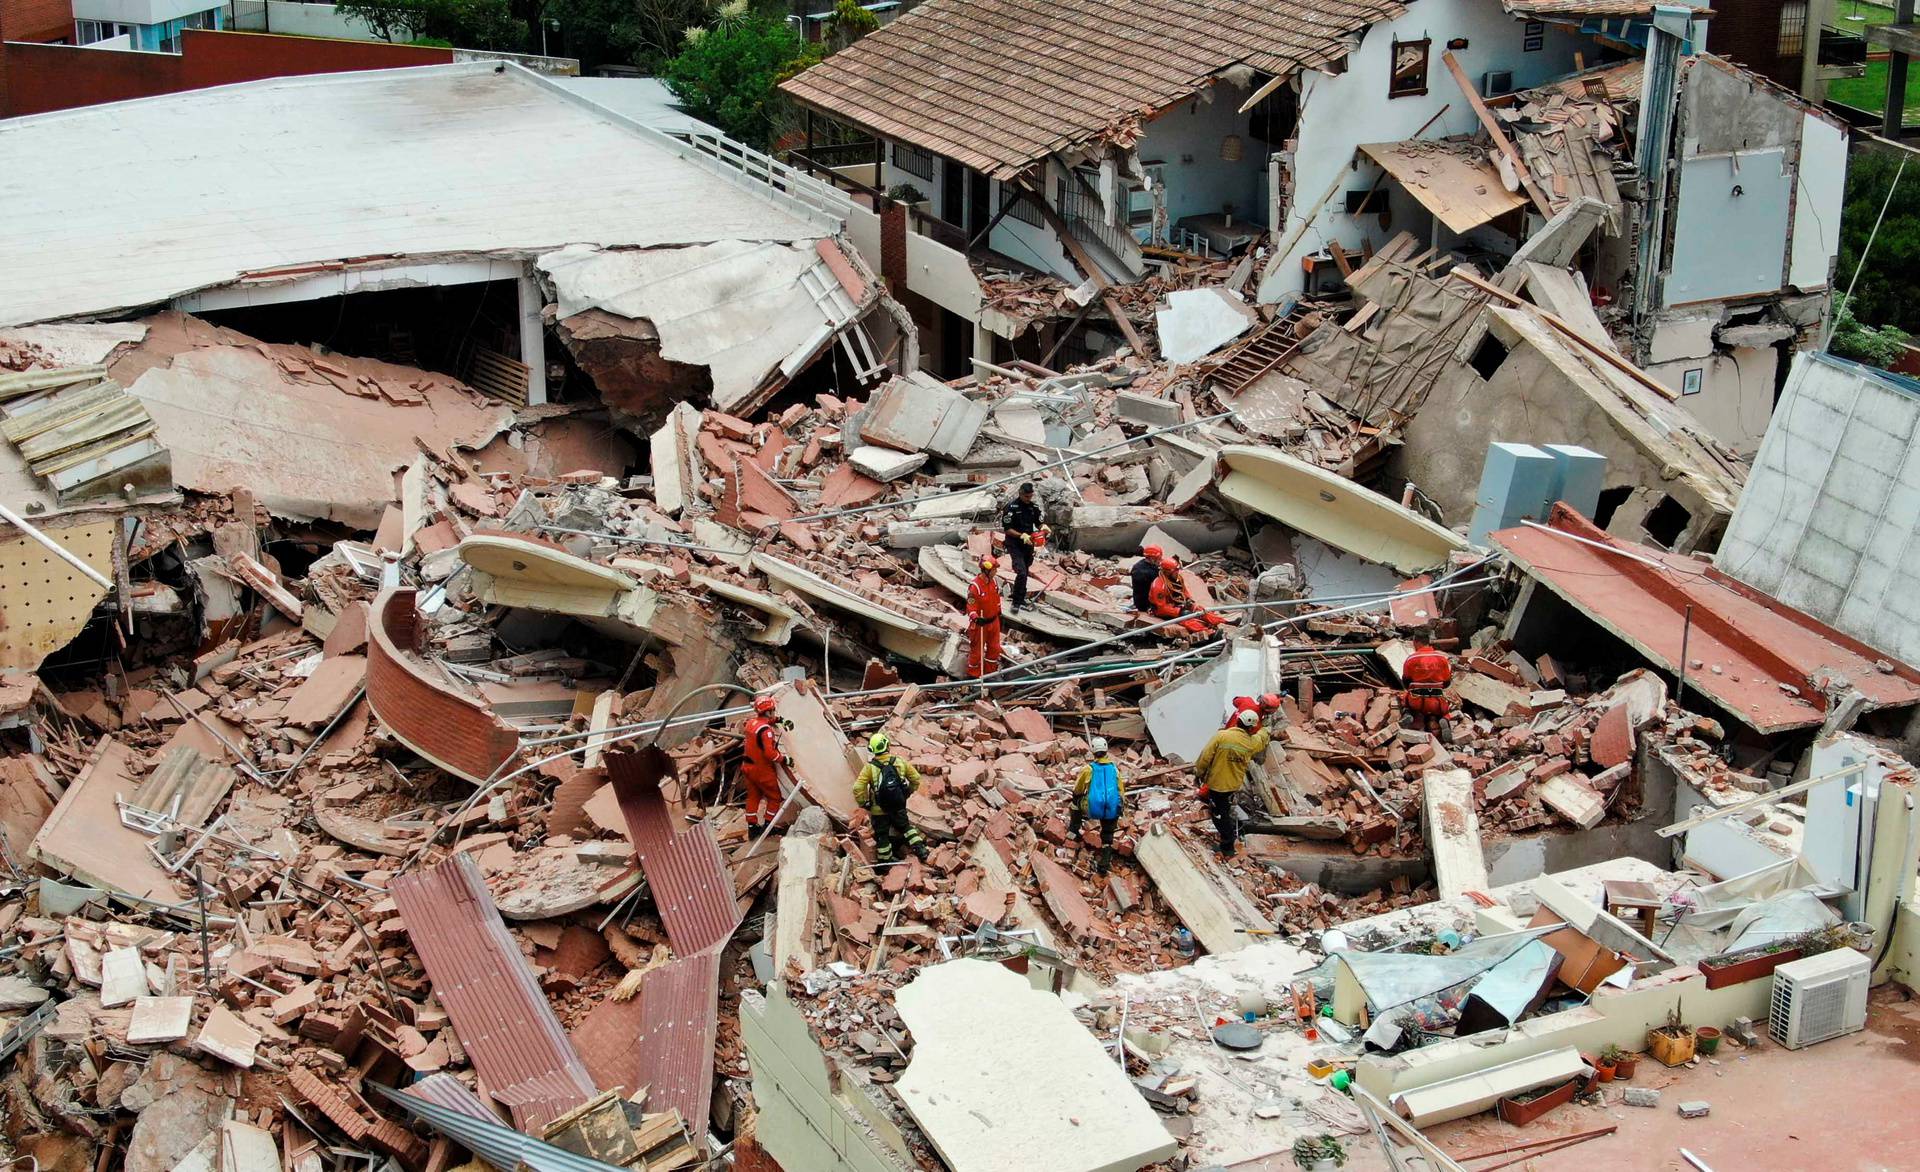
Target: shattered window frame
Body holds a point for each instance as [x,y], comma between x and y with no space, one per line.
[1407,75]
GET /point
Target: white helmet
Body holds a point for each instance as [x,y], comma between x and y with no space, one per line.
[1248,717]
[1098,745]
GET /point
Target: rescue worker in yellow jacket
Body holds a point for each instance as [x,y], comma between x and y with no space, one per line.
[1221,770]
[882,790]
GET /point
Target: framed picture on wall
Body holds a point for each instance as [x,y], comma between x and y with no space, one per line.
[1690,381]
[1535,36]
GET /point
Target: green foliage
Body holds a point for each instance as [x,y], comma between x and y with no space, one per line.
[1863,343]
[849,23]
[467,24]
[727,72]
[1888,289]
[1309,1150]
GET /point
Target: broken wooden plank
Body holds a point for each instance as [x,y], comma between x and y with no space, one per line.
[1453,833]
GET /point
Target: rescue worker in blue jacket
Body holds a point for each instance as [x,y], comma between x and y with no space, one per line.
[1098,793]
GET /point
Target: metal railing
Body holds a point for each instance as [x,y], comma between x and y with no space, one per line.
[770,172]
[919,222]
[1087,219]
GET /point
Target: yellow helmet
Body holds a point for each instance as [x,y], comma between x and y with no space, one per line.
[878,743]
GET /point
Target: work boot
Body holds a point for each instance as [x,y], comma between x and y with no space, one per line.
[1105,861]
[920,851]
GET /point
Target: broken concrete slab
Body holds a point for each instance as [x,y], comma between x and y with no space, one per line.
[885,464]
[1196,322]
[1453,833]
[1328,506]
[676,463]
[1003,1072]
[326,693]
[123,977]
[85,838]
[947,565]
[227,1038]
[918,413]
[1184,715]
[1569,796]
[1200,903]
[160,1019]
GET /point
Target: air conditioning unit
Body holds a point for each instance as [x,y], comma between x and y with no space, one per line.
[1495,82]
[1818,998]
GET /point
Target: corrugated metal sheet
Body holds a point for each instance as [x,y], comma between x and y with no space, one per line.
[450,1111]
[85,436]
[490,993]
[997,84]
[681,1003]
[691,883]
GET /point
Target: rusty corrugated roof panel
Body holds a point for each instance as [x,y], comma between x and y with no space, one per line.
[450,1110]
[691,883]
[503,1018]
[680,1004]
[997,84]
[1760,659]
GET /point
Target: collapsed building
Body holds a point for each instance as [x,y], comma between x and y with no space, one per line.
[384,585]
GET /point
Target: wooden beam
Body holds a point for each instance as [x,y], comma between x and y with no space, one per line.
[1086,265]
[1498,135]
[1604,353]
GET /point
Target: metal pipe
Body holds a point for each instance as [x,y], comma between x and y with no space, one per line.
[62,552]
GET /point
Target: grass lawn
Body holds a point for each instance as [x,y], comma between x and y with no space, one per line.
[1870,92]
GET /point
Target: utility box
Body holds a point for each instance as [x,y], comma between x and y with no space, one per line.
[1579,475]
[1517,482]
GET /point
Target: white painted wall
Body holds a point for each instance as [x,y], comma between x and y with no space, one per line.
[138,11]
[1340,112]
[297,19]
[1736,391]
[1186,141]
[1830,518]
[1817,203]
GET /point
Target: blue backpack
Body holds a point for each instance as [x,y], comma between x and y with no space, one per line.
[1103,791]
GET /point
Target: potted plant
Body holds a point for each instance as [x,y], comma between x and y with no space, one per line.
[908,194]
[1609,1064]
[1748,965]
[1671,1044]
[1318,1153]
[1527,1106]
[1624,1068]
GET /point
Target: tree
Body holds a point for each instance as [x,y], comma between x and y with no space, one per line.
[849,23]
[1888,288]
[1882,347]
[728,72]
[466,24]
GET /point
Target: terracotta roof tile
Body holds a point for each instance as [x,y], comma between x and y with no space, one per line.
[997,84]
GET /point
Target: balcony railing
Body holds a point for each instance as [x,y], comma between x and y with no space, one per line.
[1087,219]
[919,221]
[1843,48]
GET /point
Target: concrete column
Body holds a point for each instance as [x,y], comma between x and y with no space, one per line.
[533,338]
[1892,120]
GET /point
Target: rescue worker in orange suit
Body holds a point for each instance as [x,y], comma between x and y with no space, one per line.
[1020,523]
[1265,707]
[1168,597]
[1144,572]
[759,766]
[983,621]
[1427,673]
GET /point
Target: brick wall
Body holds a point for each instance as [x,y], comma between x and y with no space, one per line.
[37,78]
[36,20]
[1748,31]
[457,733]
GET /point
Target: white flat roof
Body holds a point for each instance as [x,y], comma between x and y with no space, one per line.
[131,204]
[646,100]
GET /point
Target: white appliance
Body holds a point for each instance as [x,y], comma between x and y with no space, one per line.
[1818,998]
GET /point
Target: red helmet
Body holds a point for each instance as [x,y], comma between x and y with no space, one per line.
[763,705]
[1169,565]
[1270,702]
[988,565]
[1153,551]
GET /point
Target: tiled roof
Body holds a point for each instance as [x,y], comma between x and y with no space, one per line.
[997,84]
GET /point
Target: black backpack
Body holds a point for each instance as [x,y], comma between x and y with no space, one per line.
[890,792]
